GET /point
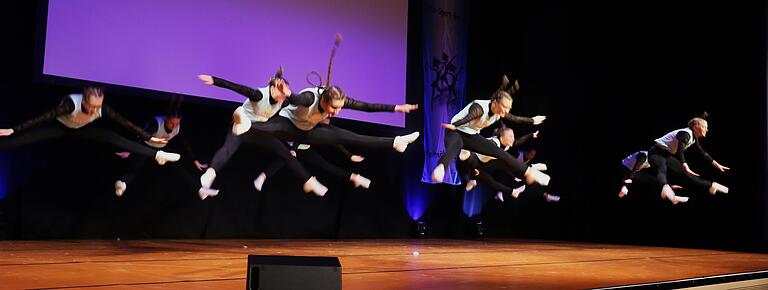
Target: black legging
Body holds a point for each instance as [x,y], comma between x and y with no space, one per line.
[282,128]
[457,140]
[264,141]
[221,157]
[89,132]
[486,172]
[664,163]
[313,158]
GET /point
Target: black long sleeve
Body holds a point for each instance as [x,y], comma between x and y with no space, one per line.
[522,140]
[367,107]
[252,94]
[122,121]
[304,99]
[682,138]
[703,153]
[475,111]
[66,107]
[518,119]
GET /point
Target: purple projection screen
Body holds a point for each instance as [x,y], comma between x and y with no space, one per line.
[164,44]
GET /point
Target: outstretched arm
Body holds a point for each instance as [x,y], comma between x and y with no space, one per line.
[66,107]
[367,107]
[122,121]
[252,94]
[525,138]
[524,120]
[709,158]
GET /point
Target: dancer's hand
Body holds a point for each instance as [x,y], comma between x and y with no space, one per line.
[536,134]
[449,127]
[628,181]
[406,108]
[293,153]
[688,170]
[124,154]
[356,158]
[676,186]
[720,167]
[477,172]
[158,140]
[6,132]
[539,119]
[200,166]
[207,79]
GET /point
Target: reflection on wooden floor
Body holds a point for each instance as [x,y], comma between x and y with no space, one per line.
[366,264]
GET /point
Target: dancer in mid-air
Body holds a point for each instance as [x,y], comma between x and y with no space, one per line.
[667,156]
[74,117]
[261,105]
[167,127]
[464,132]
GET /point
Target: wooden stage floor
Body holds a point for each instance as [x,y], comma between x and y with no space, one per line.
[366,264]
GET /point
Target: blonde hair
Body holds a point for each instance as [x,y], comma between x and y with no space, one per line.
[698,120]
[93,92]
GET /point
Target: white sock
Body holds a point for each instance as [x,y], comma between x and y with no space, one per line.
[120,187]
[315,187]
[669,194]
[516,192]
[715,187]
[624,191]
[206,192]
[470,185]
[162,157]
[551,197]
[206,180]
[499,196]
[680,199]
[438,173]
[259,181]
[401,142]
[360,181]
[539,166]
[537,177]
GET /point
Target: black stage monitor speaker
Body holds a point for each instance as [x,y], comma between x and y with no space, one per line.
[293,272]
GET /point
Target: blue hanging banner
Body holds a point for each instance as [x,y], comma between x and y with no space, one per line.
[445,77]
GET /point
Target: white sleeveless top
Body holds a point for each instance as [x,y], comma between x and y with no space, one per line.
[670,141]
[77,119]
[631,161]
[473,127]
[161,133]
[306,118]
[262,110]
